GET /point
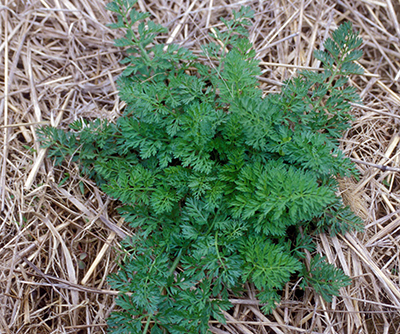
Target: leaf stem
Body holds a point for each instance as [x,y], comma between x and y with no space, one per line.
[176,262]
[147,324]
[216,248]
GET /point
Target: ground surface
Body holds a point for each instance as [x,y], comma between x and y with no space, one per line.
[59,233]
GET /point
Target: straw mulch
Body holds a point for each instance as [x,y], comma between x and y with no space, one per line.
[59,234]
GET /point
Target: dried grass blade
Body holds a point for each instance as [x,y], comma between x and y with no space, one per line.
[68,261]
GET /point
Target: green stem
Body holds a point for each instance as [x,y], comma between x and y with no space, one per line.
[147,324]
[216,248]
[144,53]
[175,263]
[146,327]
[328,85]
[171,270]
[339,62]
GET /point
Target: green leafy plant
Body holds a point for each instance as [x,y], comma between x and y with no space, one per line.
[222,185]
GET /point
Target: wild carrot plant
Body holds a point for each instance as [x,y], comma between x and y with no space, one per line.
[222,185]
